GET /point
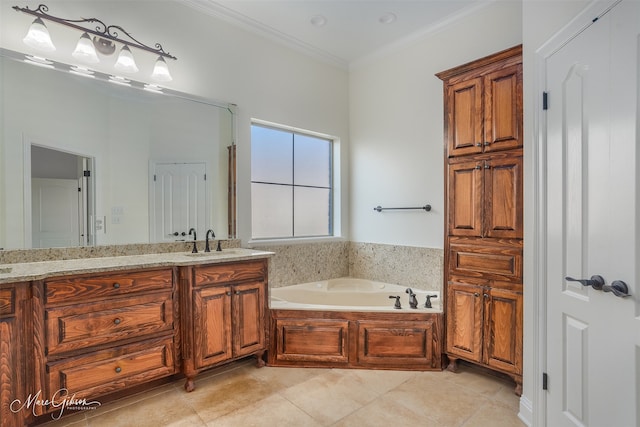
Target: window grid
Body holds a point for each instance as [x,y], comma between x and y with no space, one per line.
[293,184]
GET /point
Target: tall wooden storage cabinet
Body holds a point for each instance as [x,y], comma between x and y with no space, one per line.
[484,212]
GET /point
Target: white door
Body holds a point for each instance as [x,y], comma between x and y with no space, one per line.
[55,208]
[179,201]
[593,224]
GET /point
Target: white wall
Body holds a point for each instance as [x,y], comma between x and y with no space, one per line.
[397,126]
[219,61]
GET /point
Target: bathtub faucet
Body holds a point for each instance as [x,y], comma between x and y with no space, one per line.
[397,304]
[427,304]
[413,301]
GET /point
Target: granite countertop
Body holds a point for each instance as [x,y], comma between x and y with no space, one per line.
[23,272]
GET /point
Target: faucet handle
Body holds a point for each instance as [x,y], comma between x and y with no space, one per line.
[427,303]
[397,304]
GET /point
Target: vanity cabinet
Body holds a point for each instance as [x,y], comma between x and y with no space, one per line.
[225,308]
[485,196]
[482,319]
[483,239]
[13,365]
[100,333]
[484,110]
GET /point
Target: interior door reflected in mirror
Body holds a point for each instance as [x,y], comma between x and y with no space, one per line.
[62,205]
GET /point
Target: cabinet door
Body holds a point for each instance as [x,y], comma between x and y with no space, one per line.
[464,117]
[248,318]
[503,198]
[503,320]
[464,320]
[12,357]
[465,195]
[212,325]
[503,109]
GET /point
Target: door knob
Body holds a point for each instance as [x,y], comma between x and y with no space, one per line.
[618,287]
[596,281]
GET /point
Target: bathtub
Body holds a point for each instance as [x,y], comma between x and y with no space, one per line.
[352,323]
[350,294]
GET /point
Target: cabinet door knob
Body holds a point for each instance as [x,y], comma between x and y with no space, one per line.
[116,285]
[478,167]
[476,294]
[117,321]
[478,144]
[228,293]
[118,369]
[237,292]
[487,143]
[486,296]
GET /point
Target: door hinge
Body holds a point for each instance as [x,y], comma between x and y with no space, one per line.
[154,177]
[86,173]
[205,176]
[545,100]
[545,381]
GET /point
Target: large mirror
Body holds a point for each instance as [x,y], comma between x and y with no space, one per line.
[85,161]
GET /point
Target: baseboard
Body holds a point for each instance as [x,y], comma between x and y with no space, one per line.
[526,411]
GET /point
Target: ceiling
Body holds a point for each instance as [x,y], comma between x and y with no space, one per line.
[341,32]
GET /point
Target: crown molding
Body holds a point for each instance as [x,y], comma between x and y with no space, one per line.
[216,10]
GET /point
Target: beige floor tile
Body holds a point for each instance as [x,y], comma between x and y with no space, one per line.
[282,378]
[494,415]
[381,381]
[443,401]
[478,381]
[385,412]
[331,396]
[218,395]
[274,411]
[165,409]
[77,419]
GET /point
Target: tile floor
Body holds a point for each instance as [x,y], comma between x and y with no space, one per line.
[240,395]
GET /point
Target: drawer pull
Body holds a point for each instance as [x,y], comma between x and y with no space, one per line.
[118,369]
[116,285]
[117,321]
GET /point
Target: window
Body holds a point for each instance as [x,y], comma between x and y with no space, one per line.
[291,184]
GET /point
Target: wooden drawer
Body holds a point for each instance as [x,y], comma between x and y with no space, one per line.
[313,340]
[76,327]
[384,343]
[99,373]
[7,301]
[232,272]
[494,262]
[82,288]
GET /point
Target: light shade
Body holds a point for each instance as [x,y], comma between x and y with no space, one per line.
[38,36]
[125,62]
[161,71]
[85,51]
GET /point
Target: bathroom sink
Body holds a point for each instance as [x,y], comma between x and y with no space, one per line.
[6,270]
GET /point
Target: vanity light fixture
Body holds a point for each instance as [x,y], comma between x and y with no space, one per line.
[85,51]
[38,36]
[105,38]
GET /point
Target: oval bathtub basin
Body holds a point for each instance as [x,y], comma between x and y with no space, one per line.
[349,294]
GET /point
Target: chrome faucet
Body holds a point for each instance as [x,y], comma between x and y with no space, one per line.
[195,248]
[413,301]
[206,244]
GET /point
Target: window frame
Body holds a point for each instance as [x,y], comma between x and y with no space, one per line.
[333,210]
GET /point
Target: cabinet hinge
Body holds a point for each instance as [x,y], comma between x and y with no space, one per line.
[545,100]
[545,381]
